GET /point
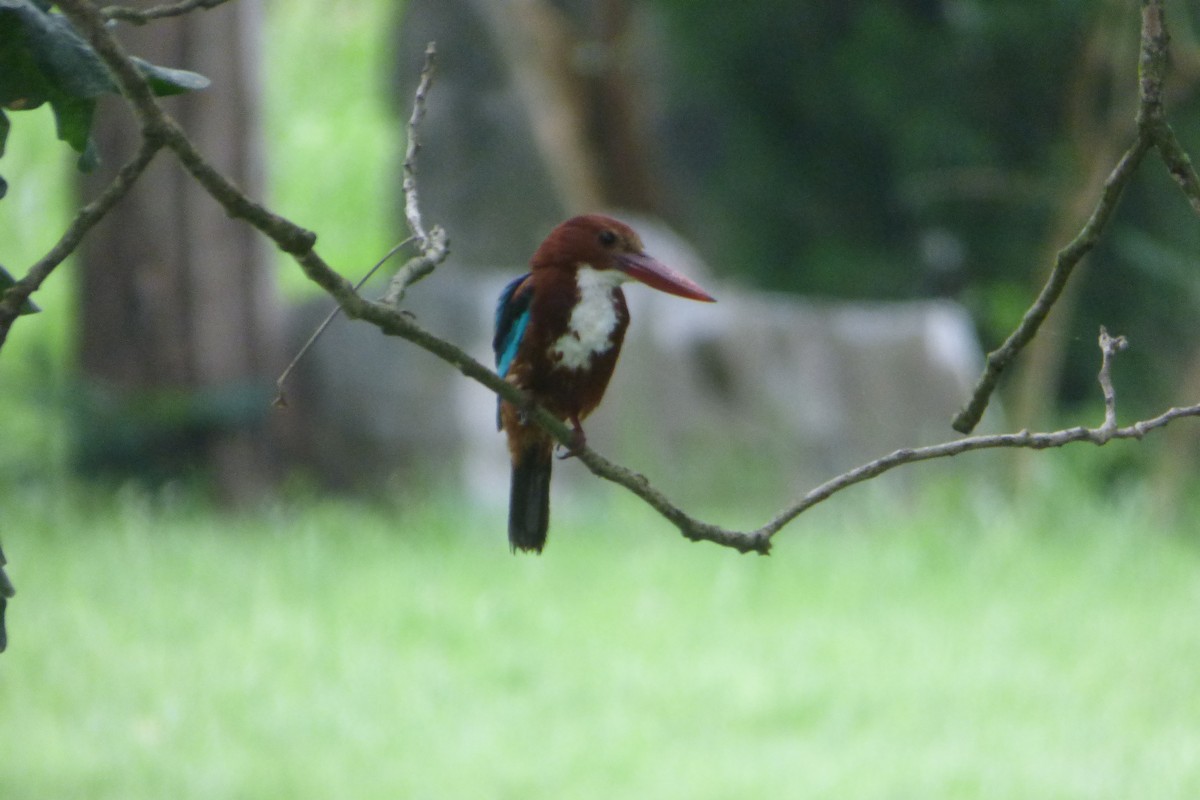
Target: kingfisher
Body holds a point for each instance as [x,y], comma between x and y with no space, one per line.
[559,330]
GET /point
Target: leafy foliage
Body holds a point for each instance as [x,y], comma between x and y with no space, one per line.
[43,59]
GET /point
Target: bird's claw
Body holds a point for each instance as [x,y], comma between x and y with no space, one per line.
[572,448]
[525,411]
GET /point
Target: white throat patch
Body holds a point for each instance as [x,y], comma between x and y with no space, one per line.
[593,320]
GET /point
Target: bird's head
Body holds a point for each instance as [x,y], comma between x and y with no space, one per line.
[605,244]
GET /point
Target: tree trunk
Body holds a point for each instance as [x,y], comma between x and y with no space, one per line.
[575,71]
[178,316]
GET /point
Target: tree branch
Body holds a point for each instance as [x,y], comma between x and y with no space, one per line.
[89,215]
[759,540]
[1064,263]
[1152,71]
[159,130]
[433,246]
[140,16]
[158,126]
[1109,347]
[1101,435]
[1153,130]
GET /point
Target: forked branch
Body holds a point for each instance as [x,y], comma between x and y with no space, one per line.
[1152,131]
[433,245]
[160,131]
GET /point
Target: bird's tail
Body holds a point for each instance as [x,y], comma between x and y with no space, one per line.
[529,497]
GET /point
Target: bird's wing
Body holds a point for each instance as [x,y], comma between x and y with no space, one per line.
[512,317]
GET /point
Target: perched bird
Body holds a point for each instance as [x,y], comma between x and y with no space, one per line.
[559,329]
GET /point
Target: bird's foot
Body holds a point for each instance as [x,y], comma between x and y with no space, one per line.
[525,412]
[578,440]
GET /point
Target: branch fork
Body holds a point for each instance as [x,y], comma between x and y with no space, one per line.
[160,132]
[1153,131]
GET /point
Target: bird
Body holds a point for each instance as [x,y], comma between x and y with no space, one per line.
[558,332]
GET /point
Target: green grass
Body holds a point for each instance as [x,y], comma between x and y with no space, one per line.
[955,646]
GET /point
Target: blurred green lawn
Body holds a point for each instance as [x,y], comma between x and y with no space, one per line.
[954,646]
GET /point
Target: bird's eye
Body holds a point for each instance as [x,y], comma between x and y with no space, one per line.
[607,238]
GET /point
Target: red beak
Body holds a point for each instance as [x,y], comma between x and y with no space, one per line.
[657,275]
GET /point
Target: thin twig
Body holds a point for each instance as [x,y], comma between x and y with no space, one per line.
[1101,435]
[1153,130]
[434,245]
[759,540]
[1064,263]
[140,16]
[158,128]
[1177,161]
[1109,347]
[412,206]
[88,216]
[280,397]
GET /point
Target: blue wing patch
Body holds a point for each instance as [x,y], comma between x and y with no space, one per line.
[512,318]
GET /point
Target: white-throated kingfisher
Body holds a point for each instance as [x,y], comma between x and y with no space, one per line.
[559,330]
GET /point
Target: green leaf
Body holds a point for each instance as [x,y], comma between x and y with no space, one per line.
[167,81]
[64,58]
[7,281]
[44,59]
[73,119]
[22,84]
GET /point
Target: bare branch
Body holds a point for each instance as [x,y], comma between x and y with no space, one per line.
[140,16]
[412,206]
[88,216]
[160,130]
[1064,263]
[1152,71]
[1152,61]
[1109,347]
[1153,130]
[759,540]
[158,126]
[433,245]
[280,397]
[1107,431]
[1178,163]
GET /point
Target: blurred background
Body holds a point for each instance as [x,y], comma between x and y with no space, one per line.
[873,189]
